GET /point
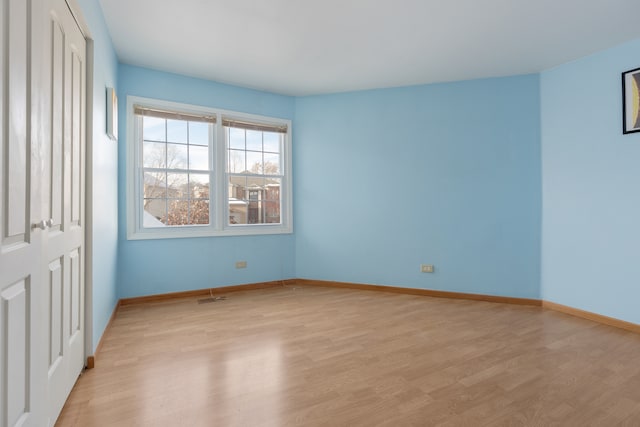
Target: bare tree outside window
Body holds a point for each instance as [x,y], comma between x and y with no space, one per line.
[175,172]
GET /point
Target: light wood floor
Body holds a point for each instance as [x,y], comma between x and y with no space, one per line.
[316,356]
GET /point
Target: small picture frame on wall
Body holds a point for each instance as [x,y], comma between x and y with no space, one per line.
[112,114]
[631,101]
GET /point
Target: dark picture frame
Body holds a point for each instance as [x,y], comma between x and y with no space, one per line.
[631,101]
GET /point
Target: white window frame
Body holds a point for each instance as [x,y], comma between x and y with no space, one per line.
[219,198]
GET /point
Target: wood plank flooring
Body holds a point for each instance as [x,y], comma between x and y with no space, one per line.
[313,356]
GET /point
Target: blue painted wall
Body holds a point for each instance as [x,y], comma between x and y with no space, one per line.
[445,174]
[170,265]
[591,187]
[104,187]
[521,186]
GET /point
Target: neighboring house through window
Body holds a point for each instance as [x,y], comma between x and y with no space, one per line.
[254,171]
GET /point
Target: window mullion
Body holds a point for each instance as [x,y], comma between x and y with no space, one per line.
[221,186]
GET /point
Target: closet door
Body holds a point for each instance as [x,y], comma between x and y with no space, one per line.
[22,290]
[42,183]
[63,203]
[61,74]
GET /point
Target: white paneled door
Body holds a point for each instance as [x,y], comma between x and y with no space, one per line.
[42,184]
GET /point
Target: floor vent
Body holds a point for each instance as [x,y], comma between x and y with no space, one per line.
[211,299]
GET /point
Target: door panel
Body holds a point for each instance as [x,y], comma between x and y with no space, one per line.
[56,153]
[15,191]
[77,77]
[15,308]
[56,298]
[76,280]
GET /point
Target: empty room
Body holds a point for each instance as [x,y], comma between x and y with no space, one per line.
[339,213]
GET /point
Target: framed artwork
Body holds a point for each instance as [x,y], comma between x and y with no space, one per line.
[112,114]
[631,101]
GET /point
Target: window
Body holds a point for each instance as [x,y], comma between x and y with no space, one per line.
[254,172]
[195,171]
[176,172]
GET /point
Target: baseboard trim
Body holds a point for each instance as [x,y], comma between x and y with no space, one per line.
[91,360]
[205,292]
[610,321]
[599,318]
[421,292]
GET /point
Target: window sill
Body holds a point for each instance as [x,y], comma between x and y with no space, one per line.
[193,232]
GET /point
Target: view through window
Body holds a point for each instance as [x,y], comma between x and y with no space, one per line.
[254,174]
[176,171]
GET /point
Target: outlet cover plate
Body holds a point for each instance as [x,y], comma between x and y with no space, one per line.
[426,268]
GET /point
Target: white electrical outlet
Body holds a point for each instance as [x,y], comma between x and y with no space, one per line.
[241,264]
[426,268]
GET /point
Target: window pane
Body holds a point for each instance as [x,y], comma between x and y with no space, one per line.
[236,138]
[272,188]
[176,131]
[153,129]
[254,162]
[271,142]
[199,212]
[236,161]
[176,156]
[237,185]
[272,200]
[254,140]
[254,194]
[154,154]
[254,184]
[198,186]
[271,164]
[198,133]
[272,211]
[237,212]
[254,213]
[237,204]
[178,212]
[154,211]
[155,185]
[176,185]
[198,157]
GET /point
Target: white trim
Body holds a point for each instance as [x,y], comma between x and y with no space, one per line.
[88,199]
[75,9]
[220,166]
[219,189]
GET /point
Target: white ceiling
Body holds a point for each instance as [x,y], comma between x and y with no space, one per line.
[302,47]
